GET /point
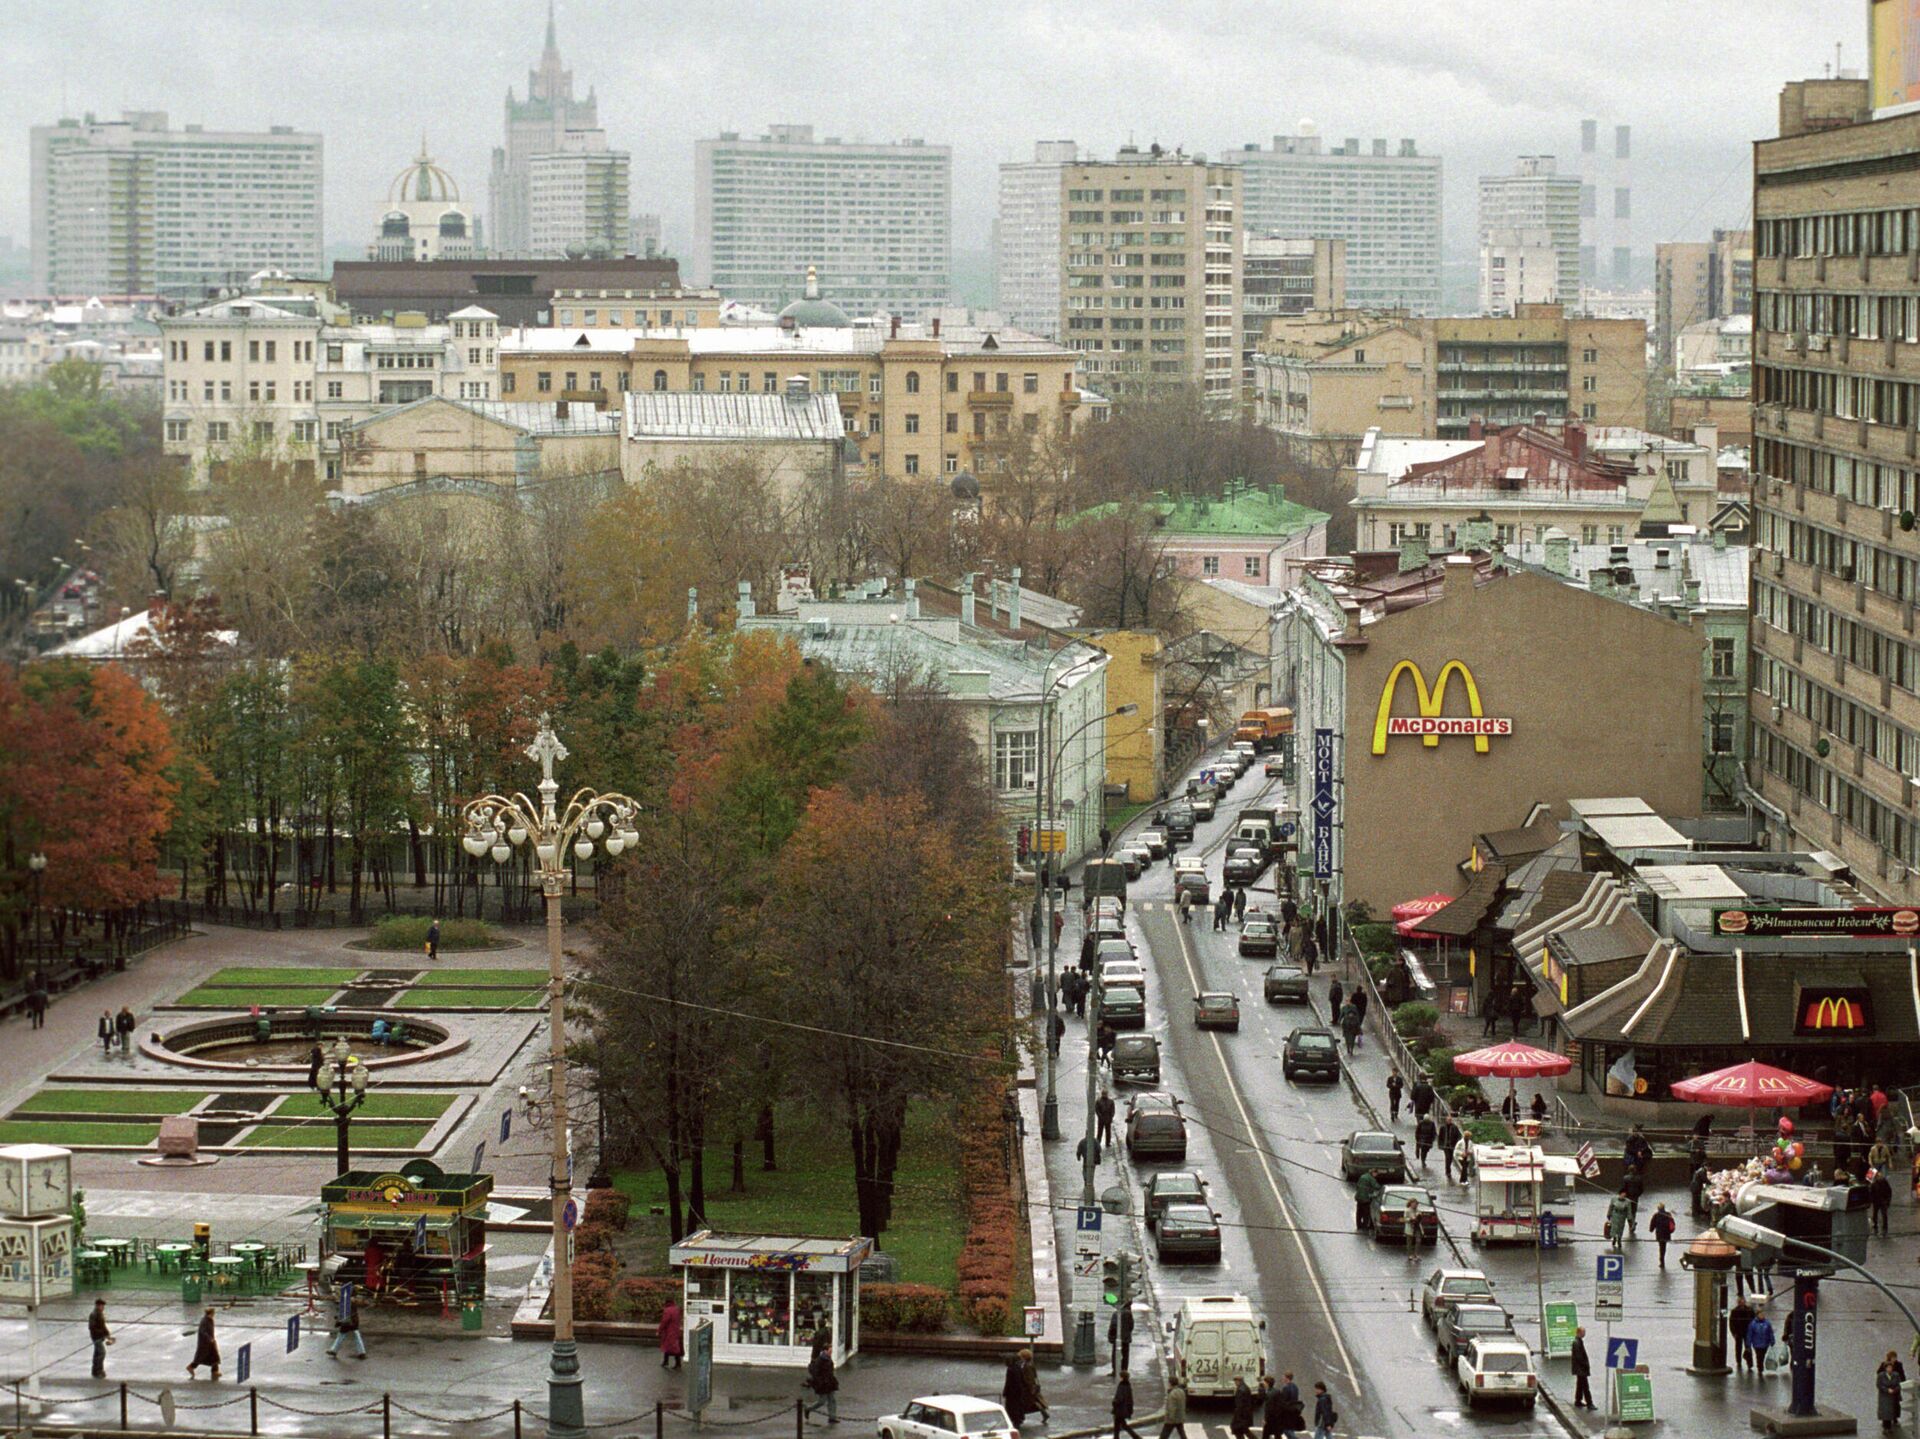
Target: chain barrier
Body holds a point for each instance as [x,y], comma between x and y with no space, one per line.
[178,1404]
[328,1413]
[779,1411]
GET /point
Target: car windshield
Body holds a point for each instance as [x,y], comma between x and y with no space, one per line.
[1373,1144]
[1175,1186]
[1217,1001]
[1135,1046]
[1257,926]
[1477,1318]
[1159,1124]
[1188,1214]
[982,1421]
[1462,1287]
[1313,1039]
[1119,997]
[1505,1361]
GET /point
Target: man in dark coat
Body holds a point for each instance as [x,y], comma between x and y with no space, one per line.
[1245,1401]
[123,1024]
[1739,1320]
[1123,1409]
[1424,1134]
[101,1336]
[1309,952]
[1221,909]
[1887,1382]
[1490,1012]
[1633,1184]
[1336,996]
[1582,1371]
[1120,1337]
[1395,1084]
[826,1384]
[1880,1200]
[1448,1139]
[206,1349]
[37,1003]
[1661,1226]
[1293,1413]
[1637,1152]
[1103,1118]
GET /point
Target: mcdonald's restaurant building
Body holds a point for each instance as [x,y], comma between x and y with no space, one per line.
[1438,702]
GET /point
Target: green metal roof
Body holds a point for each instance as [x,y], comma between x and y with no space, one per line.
[1246,512]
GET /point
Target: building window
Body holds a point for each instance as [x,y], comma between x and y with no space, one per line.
[953,382]
[953,424]
[1589,411]
[913,464]
[1000,382]
[699,384]
[726,382]
[1589,357]
[1016,759]
[419,464]
[543,382]
[507,386]
[263,432]
[304,431]
[1589,534]
[951,464]
[176,432]
[1723,657]
[769,383]
[913,424]
[1589,384]
[913,382]
[659,380]
[1210,564]
[1720,736]
[873,386]
[1030,383]
[593,381]
[573,380]
[335,354]
[1253,567]
[216,432]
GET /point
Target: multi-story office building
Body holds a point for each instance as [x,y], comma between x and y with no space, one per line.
[1535,197]
[1026,238]
[1836,482]
[1151,266]
[1324,380]
[1284,277]
[424,218]
[1539,360]
[130,206]
[577,198]
[873,220]
[536,126]
[520,292]
[1700,280]
[1386,206]
[1518,267]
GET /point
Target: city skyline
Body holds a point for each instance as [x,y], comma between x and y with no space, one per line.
[709,68]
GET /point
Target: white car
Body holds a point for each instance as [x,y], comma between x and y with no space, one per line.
[1452,1286]
[1497,1369]
[1203,806]
[941,1416]
[1128,972]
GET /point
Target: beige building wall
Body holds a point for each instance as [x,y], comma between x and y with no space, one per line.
[791,465]
[1539,651]
[1136,744]
[1322,381]
[1506,370]
[437,440]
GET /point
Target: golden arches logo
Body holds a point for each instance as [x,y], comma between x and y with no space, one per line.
[1430,724]
[1834,1011]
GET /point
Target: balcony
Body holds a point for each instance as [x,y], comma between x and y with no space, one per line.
[990,399]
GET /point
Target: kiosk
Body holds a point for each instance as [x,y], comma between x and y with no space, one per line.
[768,1295]
[411,1236]
[1505,1178]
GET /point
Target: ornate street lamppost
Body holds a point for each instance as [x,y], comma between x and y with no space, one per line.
[347,1093]
[497,825]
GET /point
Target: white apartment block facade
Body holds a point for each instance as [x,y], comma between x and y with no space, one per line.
[1026,239]
[286,375]
[1535,197]
[1151,264]
[131,206]
[874,220]
[577,198]
[1386,206]
[1518,266]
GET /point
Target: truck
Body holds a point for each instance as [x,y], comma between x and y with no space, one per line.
[1266,728]
[1217,1339]
[1261,824]
[1103,877]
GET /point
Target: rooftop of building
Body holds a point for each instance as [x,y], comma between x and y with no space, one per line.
[861,337]
[531,417]
[1659,566]
[1244,510]
[709,416]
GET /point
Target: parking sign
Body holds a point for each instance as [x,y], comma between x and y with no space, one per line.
[1609,1274]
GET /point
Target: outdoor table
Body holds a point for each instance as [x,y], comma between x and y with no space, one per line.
[257,1257]
[94,1264]
[228,1268]
[118,1251]
[311,1269]
[172,1256]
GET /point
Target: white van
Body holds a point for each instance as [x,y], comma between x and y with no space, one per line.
[1216,1340]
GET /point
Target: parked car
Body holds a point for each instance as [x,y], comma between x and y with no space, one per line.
[1373,1151]
[1156,842]
[1216,1009]
[1188,1231]
[1135,861]
[1171,1186]
[1123,1006]
[1245,862]
[1129,972]
[1460,1324]
[1190,875]
[1446,1287]
[1180,820]
[942,1416]
[1496,1371]
[1390,1213]
[1285,984]
[1246,749]
[1259,936]
[1203,805]
[1276,765]
[1155,1129]
[1313,1051]
[1136,1059]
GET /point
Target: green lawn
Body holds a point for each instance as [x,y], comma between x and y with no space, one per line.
[281,976]
[74,1132]
[425,997]
[377,1106]
[320,1136]
[812,1193]
[397,932]
[436,978]
[215,997]
[112,1101]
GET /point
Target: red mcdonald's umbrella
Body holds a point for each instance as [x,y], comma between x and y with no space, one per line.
[1512,1060]
[1422,907]
[1752,1085]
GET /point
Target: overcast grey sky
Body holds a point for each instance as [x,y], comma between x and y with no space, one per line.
[1478,81]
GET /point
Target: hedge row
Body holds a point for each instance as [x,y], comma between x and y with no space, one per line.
[992,1244]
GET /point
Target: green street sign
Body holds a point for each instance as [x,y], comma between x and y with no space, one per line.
[1562,1319]
[1633,1396]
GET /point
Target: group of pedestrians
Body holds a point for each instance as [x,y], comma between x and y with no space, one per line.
[1232,905]
[116,1030]
[1277,1405]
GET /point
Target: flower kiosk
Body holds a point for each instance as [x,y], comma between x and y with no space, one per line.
[768,1295]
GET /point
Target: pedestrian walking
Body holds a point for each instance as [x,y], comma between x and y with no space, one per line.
[1618,1210]
[1463,1158]
[1293,1413]
[102,1336]
[1412,1225]
[1103,1108]
[1880,1198]
[1887,1381]
[1036,1399]
[1058,923]
[1105,1041]
[1289,912]
[1245,1401]
[1080,1152]
[106,1032]
[1123,1409]
[1364,1194]
[1637,1152]
[1271,1411]
[1221,909]
[1056,1031]
[825,1384]
[347,1326]
[672,1335]
[1739,1321]
[206,1347]
[1239,906]
[1448,1139]
[1394,1085]
[315,1058]
[1697,1190]
[1582,1370]
[1360,1004]
[1490,1014]
[1336,995]
[1309,951]
[1661,1226]
[123,1024]
[1422,1097]
[1633,1184]
[1296,936]
[1120,1337]
[433,939]
[37,1003]
[1323,1416]
[1350,1024]
[1184,903]
[1173,1419]
[1760,1338]
[1424,1134]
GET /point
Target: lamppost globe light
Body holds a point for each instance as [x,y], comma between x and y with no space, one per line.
[360,1079]
[518,834]
[583,849]
[615,844]
[596,828]
[473,845]
[36,861]
[500,853]
[547,851]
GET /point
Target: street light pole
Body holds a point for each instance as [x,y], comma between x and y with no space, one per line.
[497,825]
[37,863]
[348,1093]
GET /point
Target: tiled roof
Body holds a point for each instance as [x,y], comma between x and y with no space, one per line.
[1512,844]
[670,414]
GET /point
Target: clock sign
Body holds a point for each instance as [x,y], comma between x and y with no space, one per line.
[35,1180]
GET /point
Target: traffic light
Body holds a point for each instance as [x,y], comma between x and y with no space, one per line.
[1116,1280]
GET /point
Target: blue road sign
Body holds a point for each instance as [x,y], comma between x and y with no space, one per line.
[569,1216]
[293,1332]
[1549,1231]
[1286,829]
[506,1124]
[1609,1267]
[1623,1353]
[243,1362]
[420,1232]
[1089,1219]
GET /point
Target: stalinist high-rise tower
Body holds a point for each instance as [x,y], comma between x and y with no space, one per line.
[548,122]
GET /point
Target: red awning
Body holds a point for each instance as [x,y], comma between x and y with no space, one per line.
[1422,907]
[1752,1085]
[1512,1060]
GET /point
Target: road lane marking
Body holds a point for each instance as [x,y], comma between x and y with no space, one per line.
[1266,1168]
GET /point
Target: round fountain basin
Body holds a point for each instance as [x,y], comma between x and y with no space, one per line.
[233,1042]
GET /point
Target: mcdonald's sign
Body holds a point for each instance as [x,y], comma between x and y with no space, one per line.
[1430,724]
[1832,1011]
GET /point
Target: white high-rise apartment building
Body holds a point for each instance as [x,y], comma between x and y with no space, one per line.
[1606,206]
[577,198]
[1026,238]
[1535,197]
[874,220]
[1518,266]
[539,125]
[1386,206]
[130,206]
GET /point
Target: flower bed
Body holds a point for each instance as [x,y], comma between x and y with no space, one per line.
[992,1244]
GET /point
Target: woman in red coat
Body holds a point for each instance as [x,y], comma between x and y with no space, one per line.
[671,1325]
